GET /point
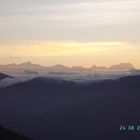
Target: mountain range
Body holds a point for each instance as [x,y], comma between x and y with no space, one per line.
[29,68]
[50,109]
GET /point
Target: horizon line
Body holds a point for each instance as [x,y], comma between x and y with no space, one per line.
[25,62]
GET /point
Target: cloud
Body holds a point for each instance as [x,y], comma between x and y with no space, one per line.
[54,48]
[13,57]
[88,20]
[104,10]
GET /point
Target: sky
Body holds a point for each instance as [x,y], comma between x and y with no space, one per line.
[70,32]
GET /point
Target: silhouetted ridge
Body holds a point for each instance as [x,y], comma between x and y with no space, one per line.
[130,78]
[3,76]
[99,119]
[10,135]
[51,109]
[53,85]
[44,83]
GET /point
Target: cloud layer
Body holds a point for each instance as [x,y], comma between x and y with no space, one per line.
[77,20]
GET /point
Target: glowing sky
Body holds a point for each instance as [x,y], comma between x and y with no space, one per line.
[70,32]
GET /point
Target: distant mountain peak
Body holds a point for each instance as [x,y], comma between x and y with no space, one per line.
[97,67]
[78,68]
[27,63]
[12,64]
[122,66]
[59,65]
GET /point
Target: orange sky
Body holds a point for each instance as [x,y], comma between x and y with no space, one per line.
[70,32]
[70,53]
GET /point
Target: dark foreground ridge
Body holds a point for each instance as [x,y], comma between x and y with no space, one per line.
[48,109]
[9,135]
